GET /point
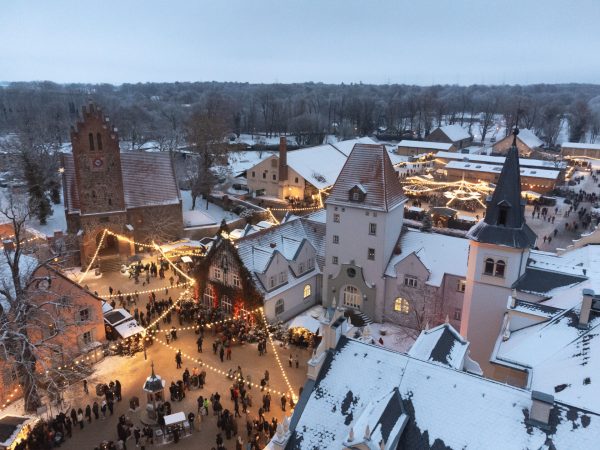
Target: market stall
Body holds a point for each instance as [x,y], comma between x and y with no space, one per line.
[176,427]
[303,330]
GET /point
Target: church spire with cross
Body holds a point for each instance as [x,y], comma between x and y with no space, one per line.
[504,222]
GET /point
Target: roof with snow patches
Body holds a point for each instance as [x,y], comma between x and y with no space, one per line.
[446,408]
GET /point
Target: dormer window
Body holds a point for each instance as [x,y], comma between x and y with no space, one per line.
[357,193]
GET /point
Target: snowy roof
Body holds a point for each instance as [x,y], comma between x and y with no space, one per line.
[529,138]
[140,172]
[129,328]
[346,146]
[448,409]
[563,358]
[491,168]
[440,254]
[441,345]
[320,165]
[526,136]
[578,262]
[523,162]
[580,145]
[425,145]
[455,132]
[256,250]
[239,162]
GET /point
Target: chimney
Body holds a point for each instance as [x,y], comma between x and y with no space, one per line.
[9,245]
[586,307]
[283,167]
[541,406]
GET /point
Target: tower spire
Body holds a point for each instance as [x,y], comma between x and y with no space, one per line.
[504,222]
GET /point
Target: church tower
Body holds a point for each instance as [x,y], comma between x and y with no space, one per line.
[364,213]
[97,160]
[498,252]
[100,203]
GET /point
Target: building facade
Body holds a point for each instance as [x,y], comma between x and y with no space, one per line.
[130,194]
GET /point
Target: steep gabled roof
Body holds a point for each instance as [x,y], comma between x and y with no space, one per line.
[369,166]
[455,132]
[148,180]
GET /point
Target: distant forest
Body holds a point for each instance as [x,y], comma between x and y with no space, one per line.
[162,112]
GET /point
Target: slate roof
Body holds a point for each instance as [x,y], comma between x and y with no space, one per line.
[505,203]
[148,180]
[447,408]
[442,345]
[425,145]
[440,254]
[563,358]
[257,249]
[370,166]
[542,281]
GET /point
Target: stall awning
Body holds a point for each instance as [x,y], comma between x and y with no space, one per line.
[128,329]
[307,322]
[177,417]
[186,259]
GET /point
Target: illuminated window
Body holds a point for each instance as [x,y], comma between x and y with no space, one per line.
[351,297]
[307,291]
[226,304]
[209,295]
[401,305]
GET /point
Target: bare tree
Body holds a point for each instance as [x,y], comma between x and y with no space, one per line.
[579,120]
[207,138]
[33,315]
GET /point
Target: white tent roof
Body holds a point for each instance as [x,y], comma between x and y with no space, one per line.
[307,322]
[128,329]
[177,417]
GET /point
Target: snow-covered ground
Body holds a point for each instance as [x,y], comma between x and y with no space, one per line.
[200,216]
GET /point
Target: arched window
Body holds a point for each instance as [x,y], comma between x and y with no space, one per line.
[91,137]
[99,139]
[401,305]
[209,295]
[500,266]
[489,267]
[226,304]
[351,297]
[279,307]
[306,290]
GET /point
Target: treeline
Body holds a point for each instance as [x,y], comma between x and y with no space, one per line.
[162,112]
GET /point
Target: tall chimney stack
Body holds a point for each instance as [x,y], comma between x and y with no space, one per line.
[283,167]
[586,307]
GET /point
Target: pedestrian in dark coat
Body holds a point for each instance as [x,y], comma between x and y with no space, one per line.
[88,413]
[96,410]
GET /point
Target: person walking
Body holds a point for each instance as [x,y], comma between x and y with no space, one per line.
[85,387]
[178,359]
[80,418]
[96,410]
[199,343]
[221,353]
[283,402]
[290,360]
[88,413]
[103,409]
[118,390]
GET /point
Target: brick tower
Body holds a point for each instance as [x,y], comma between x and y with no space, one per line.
[99,186]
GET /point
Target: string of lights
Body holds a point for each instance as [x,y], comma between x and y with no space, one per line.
[281,367]
[98,247]
[147,291]
[10,397]
[216,369]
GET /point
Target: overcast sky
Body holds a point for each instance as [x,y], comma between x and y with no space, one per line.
[333,41]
